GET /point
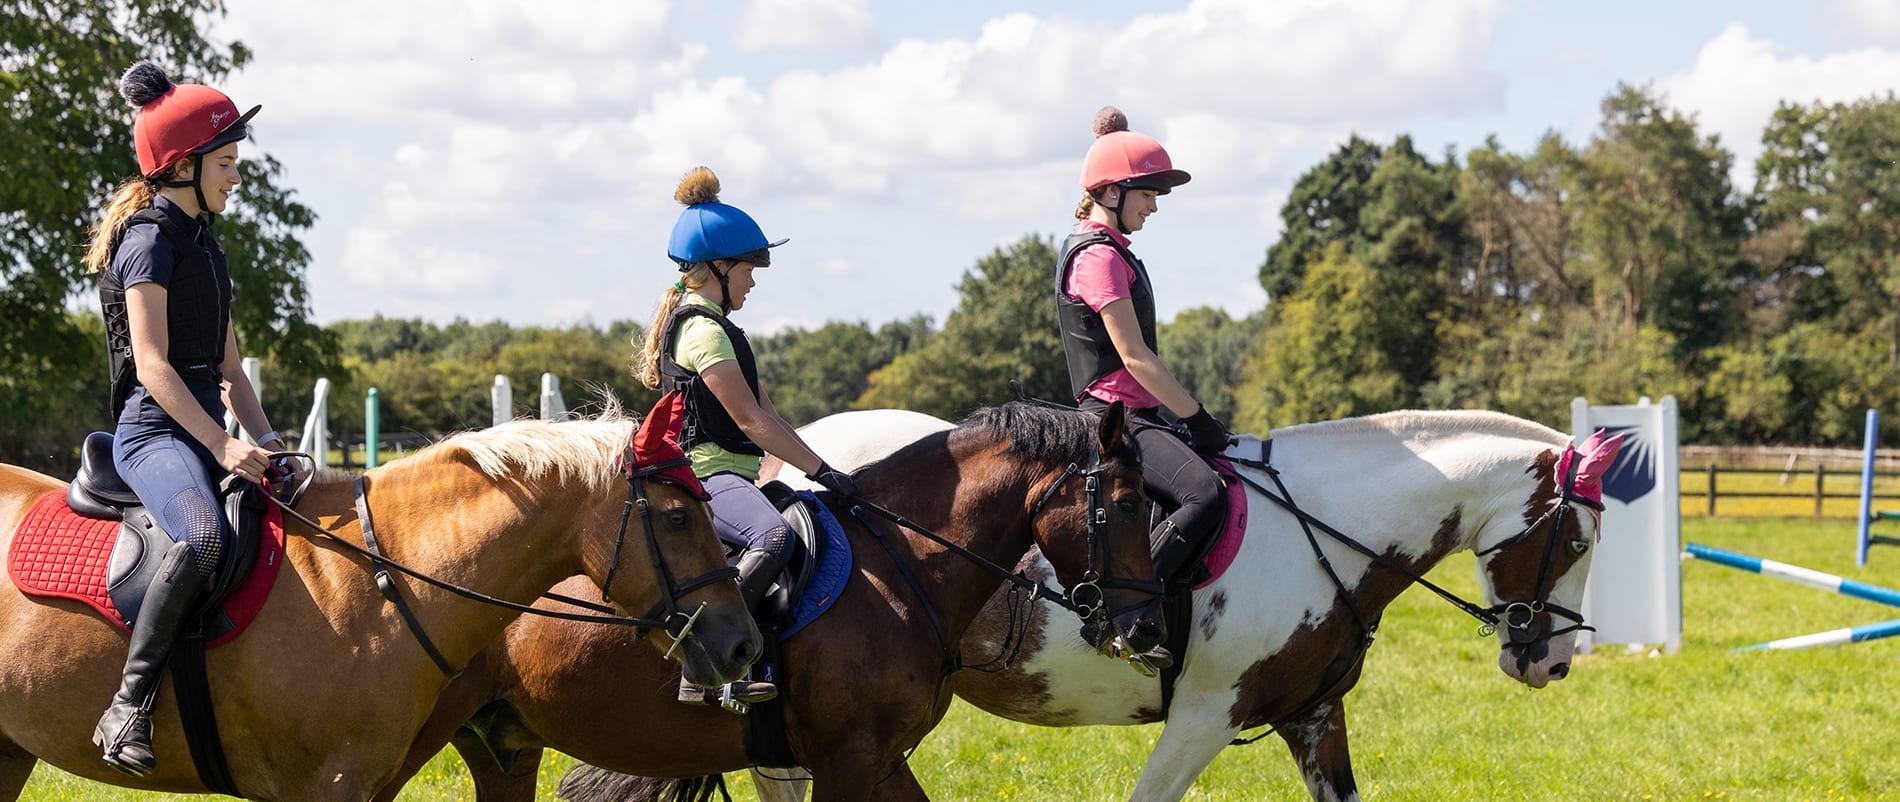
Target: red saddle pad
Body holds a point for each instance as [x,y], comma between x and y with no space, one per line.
[59,553]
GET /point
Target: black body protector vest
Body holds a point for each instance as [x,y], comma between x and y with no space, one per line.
[707,420]
[1085,340]
[197,309]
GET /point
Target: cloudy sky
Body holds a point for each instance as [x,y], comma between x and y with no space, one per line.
[516,160]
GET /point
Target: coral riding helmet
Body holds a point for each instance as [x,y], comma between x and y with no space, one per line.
[1127,159]
[178,120]
[709,230]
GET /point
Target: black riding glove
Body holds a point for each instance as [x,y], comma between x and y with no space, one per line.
[1208,435]
[835,480]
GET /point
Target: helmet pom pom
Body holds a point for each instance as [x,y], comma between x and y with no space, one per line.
[699,186]
[143,83]
[1109,120]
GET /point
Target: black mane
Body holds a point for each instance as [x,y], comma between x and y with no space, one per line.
[1043,433]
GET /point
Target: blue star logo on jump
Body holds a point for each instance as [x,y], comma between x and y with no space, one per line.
[1633,474]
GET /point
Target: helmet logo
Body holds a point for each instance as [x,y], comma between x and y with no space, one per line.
[1150,164]
[218,115]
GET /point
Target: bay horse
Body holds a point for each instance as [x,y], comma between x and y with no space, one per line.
[1274,640]
[319,697]
[862,684]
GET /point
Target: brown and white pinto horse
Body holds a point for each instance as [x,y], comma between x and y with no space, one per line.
[1274,641]
[319,698]
[863,683]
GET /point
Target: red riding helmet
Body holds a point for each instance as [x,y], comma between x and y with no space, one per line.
[178,120]
[1125,158]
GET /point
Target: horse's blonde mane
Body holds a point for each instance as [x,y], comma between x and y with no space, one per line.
[582,450]
[1436,421]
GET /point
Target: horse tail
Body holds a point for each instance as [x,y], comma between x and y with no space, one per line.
[585,783]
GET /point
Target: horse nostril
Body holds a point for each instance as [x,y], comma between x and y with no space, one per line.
[1560,670]
[745,652]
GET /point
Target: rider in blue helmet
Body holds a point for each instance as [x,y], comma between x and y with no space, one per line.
[729,422]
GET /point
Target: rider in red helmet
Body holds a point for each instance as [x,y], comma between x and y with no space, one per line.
[1105,304]
[165,290]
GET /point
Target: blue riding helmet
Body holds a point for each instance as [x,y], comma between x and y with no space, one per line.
[709,231]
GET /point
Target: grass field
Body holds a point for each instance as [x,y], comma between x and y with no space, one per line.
[1434,719]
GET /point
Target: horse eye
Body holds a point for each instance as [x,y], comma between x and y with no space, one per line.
[676,519]
[1579,546]
[1126,505]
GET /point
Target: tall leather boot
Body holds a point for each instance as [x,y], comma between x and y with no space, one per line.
[758,569]
[125,731]
[1172,549]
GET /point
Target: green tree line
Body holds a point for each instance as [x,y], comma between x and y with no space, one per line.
[1620,266]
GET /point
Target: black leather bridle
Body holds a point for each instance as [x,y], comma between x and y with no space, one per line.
[1086,599]
[676,622]
[1519,618]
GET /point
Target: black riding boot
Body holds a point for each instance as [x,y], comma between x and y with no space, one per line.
[1172,548]
[125,731]
[758,569]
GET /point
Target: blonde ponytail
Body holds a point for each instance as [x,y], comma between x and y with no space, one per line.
[1083,209]
[132,197]
[648,370]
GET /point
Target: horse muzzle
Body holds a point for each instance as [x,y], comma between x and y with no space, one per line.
[1538,663]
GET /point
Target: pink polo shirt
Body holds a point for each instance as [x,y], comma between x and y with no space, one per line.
[1099,277]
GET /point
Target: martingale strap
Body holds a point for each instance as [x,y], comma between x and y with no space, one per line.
[387,584]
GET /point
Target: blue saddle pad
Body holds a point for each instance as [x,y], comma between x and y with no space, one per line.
[834,569]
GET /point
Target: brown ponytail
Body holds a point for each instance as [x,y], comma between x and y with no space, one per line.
[131,197]
[648,368]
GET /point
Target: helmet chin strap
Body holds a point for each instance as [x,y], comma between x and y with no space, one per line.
[725,293]
[1121,199]
[196,182]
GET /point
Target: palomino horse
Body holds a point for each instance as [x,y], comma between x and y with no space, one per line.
[863,683]
[319,698]
[1275,641]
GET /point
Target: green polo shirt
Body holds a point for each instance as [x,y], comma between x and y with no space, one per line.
[702,344]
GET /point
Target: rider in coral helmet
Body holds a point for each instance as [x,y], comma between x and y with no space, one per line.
[1105,305]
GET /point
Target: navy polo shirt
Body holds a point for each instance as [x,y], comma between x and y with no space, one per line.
[144,256]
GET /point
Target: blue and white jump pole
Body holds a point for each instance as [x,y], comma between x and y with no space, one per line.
[1867,515]
[1814,579]
[1832,637]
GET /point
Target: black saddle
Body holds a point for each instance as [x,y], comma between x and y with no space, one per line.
[808,545]
[99,492]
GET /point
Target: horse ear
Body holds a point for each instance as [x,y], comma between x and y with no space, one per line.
[1599,453]
[1114,425]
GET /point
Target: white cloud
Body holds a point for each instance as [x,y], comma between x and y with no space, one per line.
[1867,21]
[377,260]
[469,134]
[804,25]
[1737,80]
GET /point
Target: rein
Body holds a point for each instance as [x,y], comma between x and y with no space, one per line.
[677,624]
[1089,605]
[1517,616]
